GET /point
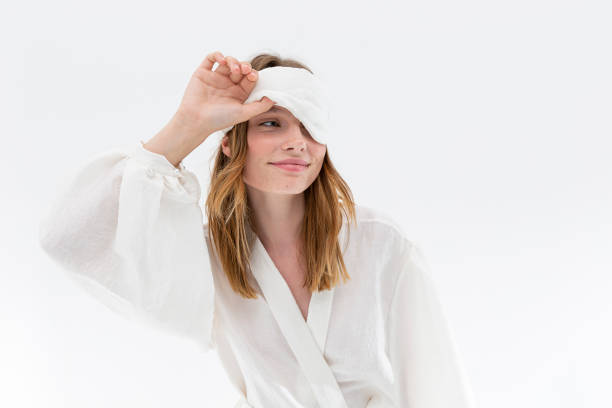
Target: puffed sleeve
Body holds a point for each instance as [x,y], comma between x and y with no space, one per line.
[129,230]
[426,367]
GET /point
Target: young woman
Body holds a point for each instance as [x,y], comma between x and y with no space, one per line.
[260,281]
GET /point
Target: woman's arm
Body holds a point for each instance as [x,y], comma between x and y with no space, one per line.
[128,229]
[420,346]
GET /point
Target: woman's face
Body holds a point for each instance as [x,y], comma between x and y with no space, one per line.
[274,136]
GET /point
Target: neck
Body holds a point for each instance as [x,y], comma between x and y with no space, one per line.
[278,217]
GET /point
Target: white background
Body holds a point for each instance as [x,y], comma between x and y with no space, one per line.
[483,127]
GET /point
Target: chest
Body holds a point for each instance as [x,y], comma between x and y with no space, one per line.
[355,327]
[293,273]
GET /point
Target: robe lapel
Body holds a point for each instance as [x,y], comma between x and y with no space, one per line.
[306,338]
[319,312]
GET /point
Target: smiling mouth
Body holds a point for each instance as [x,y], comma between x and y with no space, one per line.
[290,164]
[291,167]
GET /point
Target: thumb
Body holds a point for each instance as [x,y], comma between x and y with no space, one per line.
[255,108]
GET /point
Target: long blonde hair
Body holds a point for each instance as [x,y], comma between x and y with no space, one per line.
[327,200]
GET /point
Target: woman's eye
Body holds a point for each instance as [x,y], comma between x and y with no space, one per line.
[268,121]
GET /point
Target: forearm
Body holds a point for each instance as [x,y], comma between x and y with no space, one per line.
[175,140]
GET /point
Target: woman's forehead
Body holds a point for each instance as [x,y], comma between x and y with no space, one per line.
[280,109]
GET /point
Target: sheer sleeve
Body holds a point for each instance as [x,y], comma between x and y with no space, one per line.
[129,230]
[426,367]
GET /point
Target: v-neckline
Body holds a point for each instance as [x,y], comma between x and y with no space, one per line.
[273,267]
[306,338]
[280,299]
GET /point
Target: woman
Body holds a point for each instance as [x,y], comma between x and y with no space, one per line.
[260,281]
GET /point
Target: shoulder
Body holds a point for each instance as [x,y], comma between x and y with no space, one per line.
[381,248]
[379,222]
[378,231]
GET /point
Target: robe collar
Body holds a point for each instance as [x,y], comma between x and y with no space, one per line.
[306,338]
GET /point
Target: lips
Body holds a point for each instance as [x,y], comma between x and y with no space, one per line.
[290,167]
[292,161]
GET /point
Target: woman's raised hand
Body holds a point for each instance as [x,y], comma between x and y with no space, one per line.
[214,99]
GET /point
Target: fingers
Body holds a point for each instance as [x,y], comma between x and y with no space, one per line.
[235,69]
[256,107]
[252,74]
[239,72]
[210,60]
[248,81]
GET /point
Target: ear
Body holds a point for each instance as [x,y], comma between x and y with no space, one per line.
[225,146]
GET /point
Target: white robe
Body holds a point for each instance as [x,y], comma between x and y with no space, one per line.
[129,229]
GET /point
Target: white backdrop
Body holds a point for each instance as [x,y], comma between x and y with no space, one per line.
[484,128]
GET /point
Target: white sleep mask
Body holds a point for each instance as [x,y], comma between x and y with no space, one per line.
[300,92]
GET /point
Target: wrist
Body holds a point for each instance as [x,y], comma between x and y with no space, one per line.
[175,140]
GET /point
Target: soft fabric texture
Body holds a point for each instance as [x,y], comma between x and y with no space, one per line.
[300,92]
[128,228]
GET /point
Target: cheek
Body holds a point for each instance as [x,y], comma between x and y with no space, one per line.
[259,150]
[319,152]
[258,144]
[258,154]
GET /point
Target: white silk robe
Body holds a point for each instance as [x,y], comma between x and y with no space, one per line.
[128,228]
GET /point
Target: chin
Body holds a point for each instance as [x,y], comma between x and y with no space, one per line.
[280,188]
[291,191]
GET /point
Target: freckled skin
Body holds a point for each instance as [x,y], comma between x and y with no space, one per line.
[277,136]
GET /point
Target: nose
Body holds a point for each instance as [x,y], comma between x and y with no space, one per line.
[296,139]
